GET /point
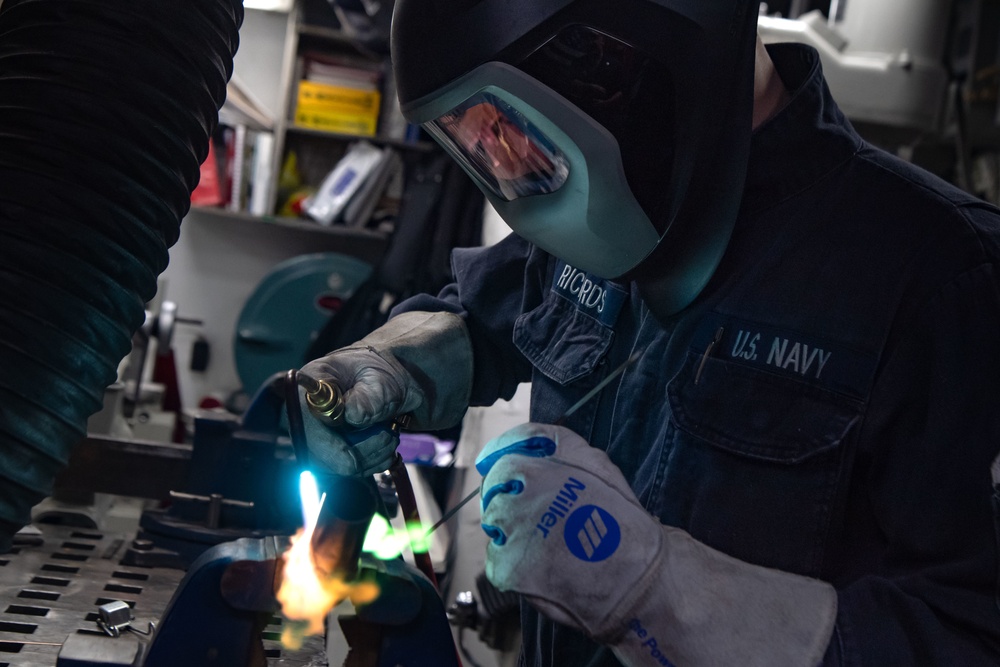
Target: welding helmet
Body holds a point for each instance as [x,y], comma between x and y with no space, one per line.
[611,134]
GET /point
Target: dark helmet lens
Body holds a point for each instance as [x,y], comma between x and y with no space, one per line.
[511,156]
[627,92]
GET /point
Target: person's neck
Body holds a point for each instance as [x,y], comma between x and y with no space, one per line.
[769,93]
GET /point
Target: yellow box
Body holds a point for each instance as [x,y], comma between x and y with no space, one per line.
[325,96]
[363,125]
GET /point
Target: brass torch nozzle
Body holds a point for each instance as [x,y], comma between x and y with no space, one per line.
[325,399]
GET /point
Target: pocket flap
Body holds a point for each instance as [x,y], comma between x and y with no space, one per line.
[758,414]
[560,340]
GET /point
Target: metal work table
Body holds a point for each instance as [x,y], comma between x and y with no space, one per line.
[51,590]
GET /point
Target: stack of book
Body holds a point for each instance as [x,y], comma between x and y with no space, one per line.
[361,181]
[337,94]
[238,173]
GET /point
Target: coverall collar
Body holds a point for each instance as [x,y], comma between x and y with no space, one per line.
[804,141]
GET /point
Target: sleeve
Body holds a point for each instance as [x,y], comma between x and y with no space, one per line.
[924,467]
[491,288]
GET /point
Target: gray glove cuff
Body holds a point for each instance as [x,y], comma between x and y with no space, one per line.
[435,351]
[698,607]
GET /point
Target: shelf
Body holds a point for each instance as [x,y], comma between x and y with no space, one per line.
[294,223]
[339,37]
[422,146]
[332,34]
[280,6]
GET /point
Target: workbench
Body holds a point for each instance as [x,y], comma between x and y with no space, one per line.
[51,590]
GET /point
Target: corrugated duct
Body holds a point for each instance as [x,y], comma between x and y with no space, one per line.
[106,108]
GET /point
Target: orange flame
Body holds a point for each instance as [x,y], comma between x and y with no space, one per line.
[307,595]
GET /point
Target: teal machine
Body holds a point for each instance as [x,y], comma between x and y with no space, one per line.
[288,309]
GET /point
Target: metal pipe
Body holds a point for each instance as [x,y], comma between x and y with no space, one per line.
[343,522]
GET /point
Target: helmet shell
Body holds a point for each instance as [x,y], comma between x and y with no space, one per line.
[694,161]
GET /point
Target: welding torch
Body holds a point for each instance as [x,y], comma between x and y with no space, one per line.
[326,400]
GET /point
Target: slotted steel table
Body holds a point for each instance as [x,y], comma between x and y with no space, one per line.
[51,590]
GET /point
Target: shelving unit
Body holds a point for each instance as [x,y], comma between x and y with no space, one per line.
[222,256]
[365,244]
[340,231]
[332,35]
[419,146]
[318,151]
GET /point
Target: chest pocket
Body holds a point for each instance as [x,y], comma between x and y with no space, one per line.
[756,461]
[561,341]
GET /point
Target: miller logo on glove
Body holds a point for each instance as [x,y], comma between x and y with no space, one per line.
[568,533]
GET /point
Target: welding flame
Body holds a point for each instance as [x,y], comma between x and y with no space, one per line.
[307,596]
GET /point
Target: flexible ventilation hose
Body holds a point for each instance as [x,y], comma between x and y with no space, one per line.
[106,108]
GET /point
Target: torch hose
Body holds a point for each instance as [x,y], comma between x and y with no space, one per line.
[296,427]
[411,516]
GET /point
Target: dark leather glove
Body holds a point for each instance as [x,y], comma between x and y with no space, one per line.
[417,364]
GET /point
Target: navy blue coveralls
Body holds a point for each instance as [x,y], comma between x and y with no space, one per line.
[843,425]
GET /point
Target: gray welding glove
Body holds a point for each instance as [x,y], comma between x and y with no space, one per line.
[568,533]
[417,364]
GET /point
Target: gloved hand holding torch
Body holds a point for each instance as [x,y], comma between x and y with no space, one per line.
[417,364]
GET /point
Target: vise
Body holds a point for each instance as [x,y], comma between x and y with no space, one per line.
[228,596]
[241,482]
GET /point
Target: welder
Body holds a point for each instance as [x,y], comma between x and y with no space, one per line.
[797,469]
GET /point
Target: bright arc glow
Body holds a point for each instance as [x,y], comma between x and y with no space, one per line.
[385,543]
[311,501]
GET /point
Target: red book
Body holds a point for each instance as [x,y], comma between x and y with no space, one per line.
[208,192]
